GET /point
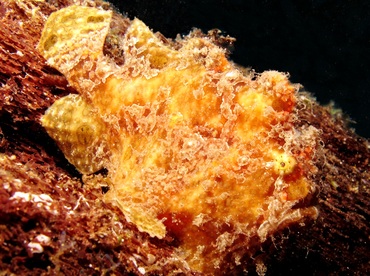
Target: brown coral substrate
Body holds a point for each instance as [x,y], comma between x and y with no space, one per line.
[51,224]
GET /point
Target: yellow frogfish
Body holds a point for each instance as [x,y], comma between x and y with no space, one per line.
[196,149]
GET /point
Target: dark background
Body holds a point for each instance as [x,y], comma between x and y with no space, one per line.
[323,44]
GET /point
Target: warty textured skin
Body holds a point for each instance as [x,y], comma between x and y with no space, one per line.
[195,149]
